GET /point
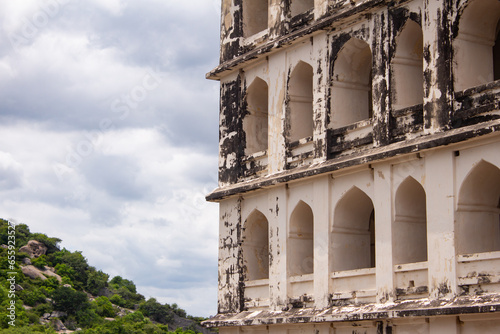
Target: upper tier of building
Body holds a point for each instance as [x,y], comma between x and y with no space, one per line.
[309,87]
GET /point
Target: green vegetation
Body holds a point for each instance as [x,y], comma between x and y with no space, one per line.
[40,306]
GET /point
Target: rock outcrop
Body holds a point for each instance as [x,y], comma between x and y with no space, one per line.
[34,272]
[34,248]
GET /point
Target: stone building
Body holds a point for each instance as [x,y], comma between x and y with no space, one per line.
[359,168]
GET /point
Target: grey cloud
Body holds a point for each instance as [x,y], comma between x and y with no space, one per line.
[146,35]
[116,175]
[10,177]
[195,269]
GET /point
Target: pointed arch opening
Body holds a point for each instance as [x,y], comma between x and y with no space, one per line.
[301,243]
[410,223]
[478,211]
[476,45]
[255,16]
[351,99]
[407,67]
[353,232]
[255,247]
[300,102]
[255,123]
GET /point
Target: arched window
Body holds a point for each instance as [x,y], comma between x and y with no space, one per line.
[478,216]
[300,102]
[300,6]
[353,232]
[474,47]
[352,84]
[410,223]
[255,247]
[255,14]
[407,67]
[256,119]
[301,245]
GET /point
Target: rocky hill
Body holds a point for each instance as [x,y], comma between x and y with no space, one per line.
[44,289]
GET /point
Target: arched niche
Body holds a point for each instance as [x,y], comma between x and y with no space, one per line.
[301,244]
[300,102]
[410,223]
[475,47]
[255,123]
[407,67]
[478,210]
[351,91]
[255,246]
[353,232]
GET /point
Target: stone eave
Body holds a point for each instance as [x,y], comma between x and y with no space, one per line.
[419,144]
[276,44]
[484,304]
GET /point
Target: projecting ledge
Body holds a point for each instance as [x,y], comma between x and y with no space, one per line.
[484,304]
[422,143]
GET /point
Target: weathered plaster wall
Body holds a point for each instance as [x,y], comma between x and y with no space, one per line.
[326,51]
[347,175]
[439,172]
[230,295]
[231,133]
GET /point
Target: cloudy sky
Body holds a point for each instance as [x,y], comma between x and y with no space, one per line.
[108,136]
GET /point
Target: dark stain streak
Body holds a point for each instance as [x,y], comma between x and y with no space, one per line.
[300,20]
[380,327]
[336,45]
[231,133]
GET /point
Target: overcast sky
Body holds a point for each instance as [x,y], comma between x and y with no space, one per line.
[108,136]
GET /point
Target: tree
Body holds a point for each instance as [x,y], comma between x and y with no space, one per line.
[156,311]
[77,262]
[22,235]
[118,282]
[96,281]
[68,300]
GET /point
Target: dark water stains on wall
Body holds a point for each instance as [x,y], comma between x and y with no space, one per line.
[231,135]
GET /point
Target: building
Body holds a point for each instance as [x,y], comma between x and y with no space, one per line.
[359,169]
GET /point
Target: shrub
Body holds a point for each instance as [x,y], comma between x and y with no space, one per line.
[88,317]
[103,307]
[39,262]
[62,269]
[41,309]
[50,283]
[71,322]
[33,317]
[118,300]
[32,297]
[66,280]
[136,316]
